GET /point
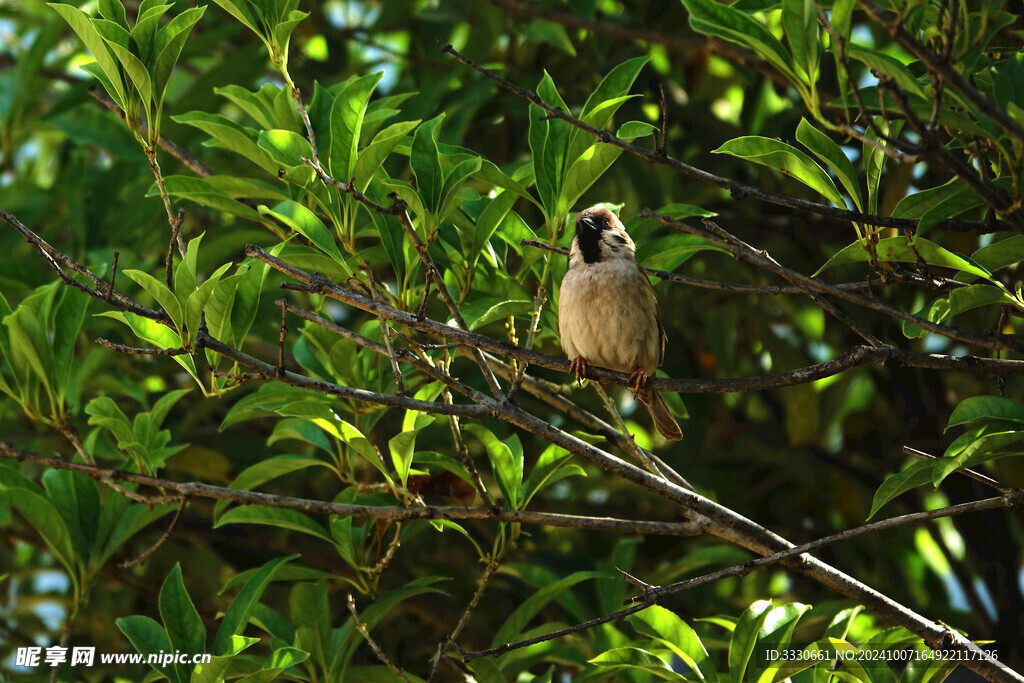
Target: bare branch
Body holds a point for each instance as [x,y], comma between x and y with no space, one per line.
[654,594]
[737,190]
[444,646]
[977,476]
[159,542]
[394,513]
[943,68]
[55,257]
[760,258]
[361,627]
[858,355]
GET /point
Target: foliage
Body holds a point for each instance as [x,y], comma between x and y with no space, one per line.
[338,153]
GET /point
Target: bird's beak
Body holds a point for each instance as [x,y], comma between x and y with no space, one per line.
[588,222]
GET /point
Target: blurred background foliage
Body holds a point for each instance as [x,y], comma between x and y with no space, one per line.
[804,461]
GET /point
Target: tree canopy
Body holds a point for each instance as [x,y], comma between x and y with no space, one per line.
[280,376]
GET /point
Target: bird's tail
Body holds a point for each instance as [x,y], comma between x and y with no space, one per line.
[663,420]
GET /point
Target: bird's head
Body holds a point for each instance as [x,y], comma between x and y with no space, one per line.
[600,235]
[590,223]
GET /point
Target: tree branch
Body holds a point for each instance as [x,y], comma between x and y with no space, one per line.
[944,69]
[737,190]
[392,514]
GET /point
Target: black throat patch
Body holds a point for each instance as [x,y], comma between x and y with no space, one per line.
[589,242]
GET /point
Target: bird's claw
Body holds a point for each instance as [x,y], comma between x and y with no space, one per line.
[578,367]
[637,380]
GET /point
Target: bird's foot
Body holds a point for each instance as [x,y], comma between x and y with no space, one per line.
[637,380]
[578,367]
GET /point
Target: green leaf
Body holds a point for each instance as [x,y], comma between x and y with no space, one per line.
[159,291]
[374,154]
[744,637]
[306,223]
[452,181]
[959,301]
[506,460]
[610,94]
[917,474]
[76,498]
[229,135]
[553,465]
[549,142]
[136,71]
[897,249]
[986,407]
[1000,254]
[775,634]
[95,43]
[170,42]
[195,306]
[935,204]
[402,447]
[283,30]
[486,310]
[890,66]
[148,637]
[68,317]
[240,10]
[237,616]
[285,147]
[712,18]
[48,523]
[800,25]
[113,10]
[785,158]
[539,31]
[635,659]
[677,635]
[266,470]
[260,105]
[823,147]
[184,627]
[426,164]
[119,522]
[528,609]
[265,401]
[293,520]
[983,449]
[205,193]
[346,123]
[309,606]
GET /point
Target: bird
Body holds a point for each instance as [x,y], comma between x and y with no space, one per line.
[608,314]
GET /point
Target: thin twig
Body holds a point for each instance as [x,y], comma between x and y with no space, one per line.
[55,257]
[631,445]
[943,68]
[531,334]
[113,274]
[385,330]
[760,258]
[383,563]
[944,284]
[361,627]
[390,513]
[653,594]
[127,564]
[858,355]
[446,645]
[973,474]
[737,190]
[139,351]
[282,333]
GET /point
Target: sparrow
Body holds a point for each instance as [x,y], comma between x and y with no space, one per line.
[608,314]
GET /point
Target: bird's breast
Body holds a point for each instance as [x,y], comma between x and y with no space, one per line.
[608,315]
